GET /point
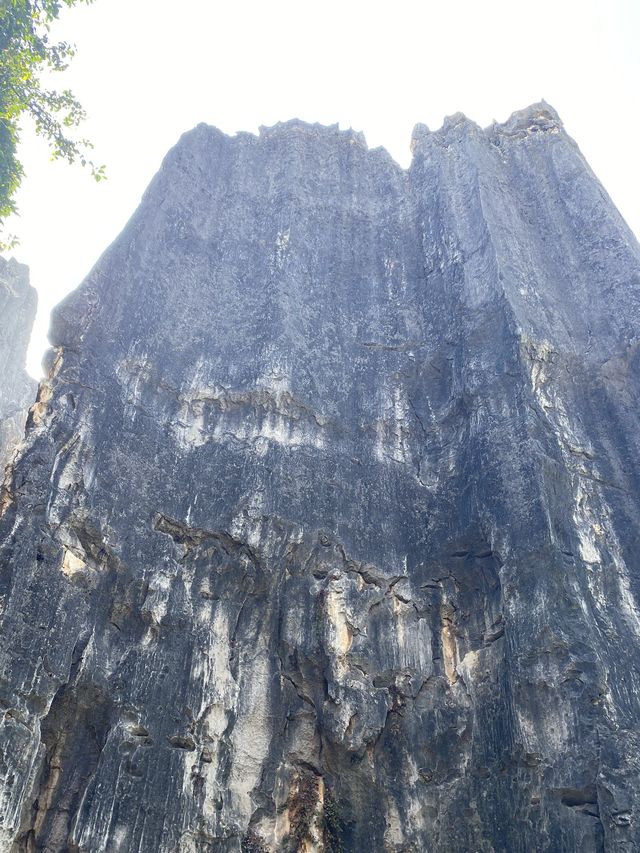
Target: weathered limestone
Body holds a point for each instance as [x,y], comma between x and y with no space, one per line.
[324,536]
[18,303]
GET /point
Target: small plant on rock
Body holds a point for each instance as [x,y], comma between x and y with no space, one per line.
[252,843]
[333,824]
[302,807]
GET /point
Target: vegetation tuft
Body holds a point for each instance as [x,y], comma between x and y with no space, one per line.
[333,824]
[303,806]
[252,843]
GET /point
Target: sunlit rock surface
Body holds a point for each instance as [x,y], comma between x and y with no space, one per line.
[18,301]
[325,534]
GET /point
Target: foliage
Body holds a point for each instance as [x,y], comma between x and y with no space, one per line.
[333,825]
[252,843]
[302,807]
[26,51]
[302,811]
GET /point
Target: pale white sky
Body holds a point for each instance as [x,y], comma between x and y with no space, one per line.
[147,70]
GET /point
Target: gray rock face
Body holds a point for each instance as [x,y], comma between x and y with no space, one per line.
[18,302]
[325,534]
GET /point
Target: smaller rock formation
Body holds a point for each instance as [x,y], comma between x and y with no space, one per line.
[18,302]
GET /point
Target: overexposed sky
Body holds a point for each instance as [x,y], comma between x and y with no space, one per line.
[147,70]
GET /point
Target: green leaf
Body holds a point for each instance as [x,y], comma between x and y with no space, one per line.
[25,52]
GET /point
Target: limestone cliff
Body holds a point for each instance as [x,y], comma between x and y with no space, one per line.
[325,533]
[17,389]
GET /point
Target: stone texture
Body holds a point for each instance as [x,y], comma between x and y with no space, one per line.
[18,302]
[324,536]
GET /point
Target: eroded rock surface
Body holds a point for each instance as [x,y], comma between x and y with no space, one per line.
[18,301]
[324,536]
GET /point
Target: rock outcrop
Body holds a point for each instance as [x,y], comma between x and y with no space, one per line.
[324,535]
[18,302]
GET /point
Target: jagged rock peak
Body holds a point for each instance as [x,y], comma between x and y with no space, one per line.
[281,131]
[538,117]
[297,127]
